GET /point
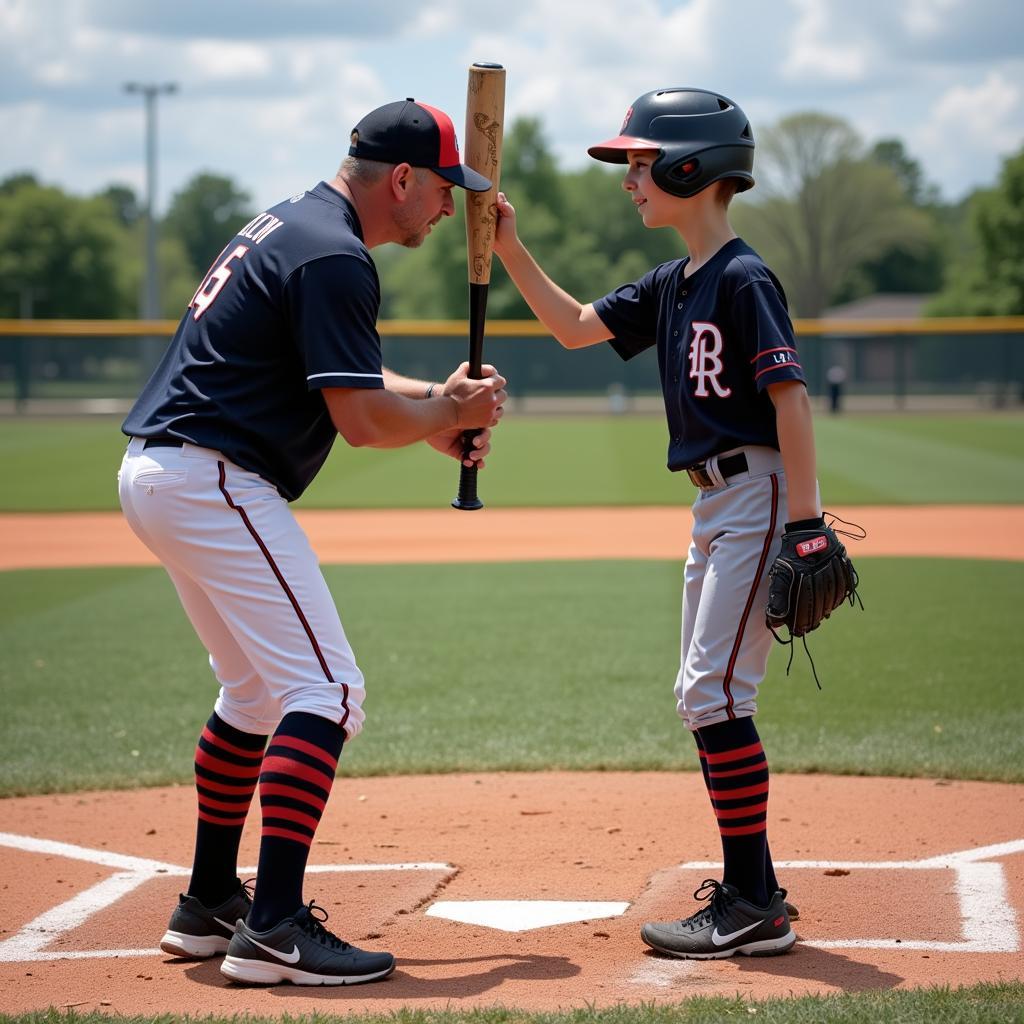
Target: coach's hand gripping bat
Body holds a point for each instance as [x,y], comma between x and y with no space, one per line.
[485,115]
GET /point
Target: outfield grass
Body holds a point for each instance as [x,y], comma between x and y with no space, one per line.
[1001,1003]
[567,665]
[71,464]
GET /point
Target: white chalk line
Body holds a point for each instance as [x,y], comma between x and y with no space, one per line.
[989,922]
[29,944]
[987,919]
[658,973]
[30,844]
[946,861]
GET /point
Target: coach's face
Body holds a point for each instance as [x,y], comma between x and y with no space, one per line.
[428,198]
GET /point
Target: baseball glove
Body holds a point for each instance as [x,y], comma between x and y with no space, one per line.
[809,579]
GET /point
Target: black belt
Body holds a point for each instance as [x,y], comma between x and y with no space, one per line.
[164,442]
[727,467]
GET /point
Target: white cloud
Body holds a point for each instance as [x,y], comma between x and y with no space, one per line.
[970,127]
[926,18]
[17,16]
[431,21]
[219,59]
[814,55]
[579,65]
[268,92]
[981,112]
[57,72]
[52,144]
[249,19]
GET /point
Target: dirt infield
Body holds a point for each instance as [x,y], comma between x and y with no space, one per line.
[900,883]
[502,534]
[523,890]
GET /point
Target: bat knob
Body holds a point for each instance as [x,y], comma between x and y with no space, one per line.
[487,64]
[466,500]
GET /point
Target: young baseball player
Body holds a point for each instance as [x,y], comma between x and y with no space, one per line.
[277,354]
[739,426]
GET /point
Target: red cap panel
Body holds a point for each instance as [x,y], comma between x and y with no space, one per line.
[449,155]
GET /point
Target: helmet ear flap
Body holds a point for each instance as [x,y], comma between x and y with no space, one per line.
[685,172]
[677,177]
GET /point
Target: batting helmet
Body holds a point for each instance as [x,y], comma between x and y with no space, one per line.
[701,137]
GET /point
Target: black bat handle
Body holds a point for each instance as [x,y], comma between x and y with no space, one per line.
[467,500]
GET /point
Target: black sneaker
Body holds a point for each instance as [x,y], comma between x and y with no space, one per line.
[728,924]
[794,914]
[196,932]
[301,950]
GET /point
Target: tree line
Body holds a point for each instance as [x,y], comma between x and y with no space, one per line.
[835,217]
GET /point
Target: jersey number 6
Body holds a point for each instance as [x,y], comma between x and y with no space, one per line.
[213,282]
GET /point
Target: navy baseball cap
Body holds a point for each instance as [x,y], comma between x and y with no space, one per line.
[417,134]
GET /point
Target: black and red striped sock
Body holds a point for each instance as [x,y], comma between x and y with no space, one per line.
[227,768]
[770,881]
[736,776]
[298,772]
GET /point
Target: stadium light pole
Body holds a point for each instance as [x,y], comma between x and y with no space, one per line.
[150,299]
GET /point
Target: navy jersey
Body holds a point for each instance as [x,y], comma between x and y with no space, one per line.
[289,307]
[723,335]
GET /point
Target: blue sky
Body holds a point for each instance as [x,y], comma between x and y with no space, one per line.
[269,91]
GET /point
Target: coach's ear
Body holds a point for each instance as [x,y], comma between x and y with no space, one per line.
[402,177]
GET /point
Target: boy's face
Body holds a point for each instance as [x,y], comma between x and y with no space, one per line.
[654,205]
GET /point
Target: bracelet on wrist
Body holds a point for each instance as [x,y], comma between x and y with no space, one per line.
[430,390]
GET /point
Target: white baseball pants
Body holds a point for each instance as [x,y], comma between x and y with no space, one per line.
[737,532]
[250,584]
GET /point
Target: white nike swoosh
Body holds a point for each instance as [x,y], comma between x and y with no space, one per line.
[288,958]
[225,924]
[720,940]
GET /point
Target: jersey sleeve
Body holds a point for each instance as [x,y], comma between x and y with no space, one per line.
[631,314]
[333,303]
[763,323]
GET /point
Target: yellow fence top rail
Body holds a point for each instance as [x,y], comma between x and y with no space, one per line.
[518,328]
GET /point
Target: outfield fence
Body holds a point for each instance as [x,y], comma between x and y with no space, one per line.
[972,362]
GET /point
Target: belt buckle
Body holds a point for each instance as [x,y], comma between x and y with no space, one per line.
[700,476]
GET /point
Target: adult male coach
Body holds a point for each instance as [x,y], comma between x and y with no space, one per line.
[277,353]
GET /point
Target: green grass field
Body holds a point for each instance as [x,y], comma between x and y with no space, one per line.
[105,685]
[565,460]
[980,1004]
[106,659]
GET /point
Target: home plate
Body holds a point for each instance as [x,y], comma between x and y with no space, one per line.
[523,915]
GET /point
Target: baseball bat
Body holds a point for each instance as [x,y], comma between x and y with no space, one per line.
[485,116]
